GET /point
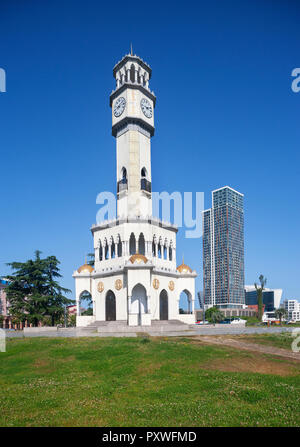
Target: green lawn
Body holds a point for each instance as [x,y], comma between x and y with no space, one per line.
[278,340]
[143,382]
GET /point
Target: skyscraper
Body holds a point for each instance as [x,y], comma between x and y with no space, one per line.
[223,249]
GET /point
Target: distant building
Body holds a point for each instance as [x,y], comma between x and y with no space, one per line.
[271,298]
[293,309]
[223,250]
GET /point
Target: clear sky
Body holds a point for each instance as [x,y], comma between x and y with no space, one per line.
[225,115]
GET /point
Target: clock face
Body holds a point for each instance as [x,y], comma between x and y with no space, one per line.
[146,108]
[119,106]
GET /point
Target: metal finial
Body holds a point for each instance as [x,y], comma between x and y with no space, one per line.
[131,49]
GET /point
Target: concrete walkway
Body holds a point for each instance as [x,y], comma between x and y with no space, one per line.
[218,329]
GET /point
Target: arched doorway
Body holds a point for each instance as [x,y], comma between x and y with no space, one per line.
[185,302]
[138,302]
[163,305]
[110,306]
[85,304]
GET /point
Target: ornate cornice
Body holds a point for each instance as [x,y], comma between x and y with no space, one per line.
[126,85]
[127,122]
[150,220]
[132,58]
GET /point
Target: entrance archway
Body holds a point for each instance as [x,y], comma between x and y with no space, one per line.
[110,306]
[138,302]
[163,305]
[85,304]
[185,302]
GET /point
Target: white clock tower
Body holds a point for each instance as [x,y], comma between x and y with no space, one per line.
[134,281]
[133,126]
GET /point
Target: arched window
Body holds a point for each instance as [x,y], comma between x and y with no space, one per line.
[132,244]
[132,73]
[119,247]
[165,249]
[141,244]
[106,253]
[170,253]
[159,249]
[124,174]
[144,172]
[153,246]
[113,248]
[100,251]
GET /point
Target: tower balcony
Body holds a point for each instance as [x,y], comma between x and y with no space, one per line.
[122,185]
[145,185]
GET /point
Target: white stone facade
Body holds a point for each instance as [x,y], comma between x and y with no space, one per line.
[135,278]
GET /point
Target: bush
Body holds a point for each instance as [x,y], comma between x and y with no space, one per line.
[252,321]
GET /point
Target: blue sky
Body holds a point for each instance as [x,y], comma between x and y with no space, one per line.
[225,115]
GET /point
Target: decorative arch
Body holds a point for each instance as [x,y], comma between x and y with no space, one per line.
[86,296]
[112,248]
[100,251]
[163,305]
[144,173]
[139,303]
[124,174]
[171,251]
[141,244]
[165,249]
[132,244]
[132,73]
[185,302]
[119,246]
[106,252]
[159,249]
[153,246]
[110,306]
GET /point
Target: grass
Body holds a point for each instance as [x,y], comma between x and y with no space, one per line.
[278,340]
[133,382]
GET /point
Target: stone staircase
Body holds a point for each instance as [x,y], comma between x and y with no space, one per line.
[121,328]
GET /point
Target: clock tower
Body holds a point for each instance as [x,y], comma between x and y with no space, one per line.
[134,280]
[132,104]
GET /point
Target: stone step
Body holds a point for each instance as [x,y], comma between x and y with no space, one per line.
[149,329]
[167,322]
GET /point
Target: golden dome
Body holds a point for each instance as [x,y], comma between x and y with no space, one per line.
[183,268]
[85,268]
[138,258]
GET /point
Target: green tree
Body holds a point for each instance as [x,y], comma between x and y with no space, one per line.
[57,301]
[280,313]
[88,311]
[259,289]
[33,291]
[214,315]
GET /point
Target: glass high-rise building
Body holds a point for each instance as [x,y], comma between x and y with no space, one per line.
[223,250]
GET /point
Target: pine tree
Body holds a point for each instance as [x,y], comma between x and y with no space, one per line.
[55,292]
[33,292]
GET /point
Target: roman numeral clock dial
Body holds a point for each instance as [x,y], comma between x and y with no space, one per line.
[146,108]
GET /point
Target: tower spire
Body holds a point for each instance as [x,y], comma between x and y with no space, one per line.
[131,52]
